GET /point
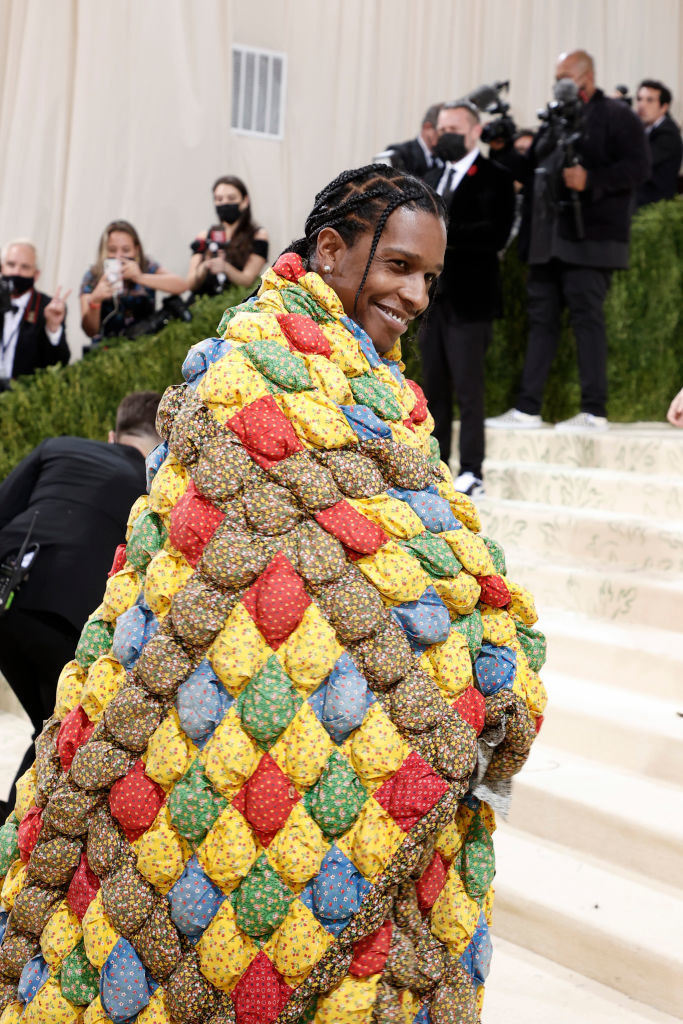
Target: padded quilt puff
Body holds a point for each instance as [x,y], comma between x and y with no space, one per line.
[256,800]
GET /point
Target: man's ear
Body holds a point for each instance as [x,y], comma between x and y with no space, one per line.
[111,437]
[36,275]
[329,248]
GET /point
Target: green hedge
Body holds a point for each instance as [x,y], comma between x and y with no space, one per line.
[81,399]
[644,315]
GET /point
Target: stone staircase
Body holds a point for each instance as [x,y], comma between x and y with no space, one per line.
[590,863]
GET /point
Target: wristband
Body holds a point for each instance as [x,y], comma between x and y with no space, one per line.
[94,305]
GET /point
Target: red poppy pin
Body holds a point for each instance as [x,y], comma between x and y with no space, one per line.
[472,170]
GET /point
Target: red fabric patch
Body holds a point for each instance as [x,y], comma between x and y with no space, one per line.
[266,800]
[194,520]
[265,432]
[358,534]
[303,334]
[539,723]
[370,954]
[28,832]
[494,591]
[75,729]
[419,411]
[431,882]
[277,601]
[119,560]
[411,792]
[261,993]
[471,171]
[83,889]
[472,707]
[290,266]
[135,800]
[408,423]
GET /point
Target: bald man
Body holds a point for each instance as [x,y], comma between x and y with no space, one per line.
[571,259]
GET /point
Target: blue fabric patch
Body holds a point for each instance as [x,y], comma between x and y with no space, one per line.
[336,892]
[495,669]
[476,959]
[470,801]
[4,914]
[194,900]
[422,1016]
[342,700]
[33,977]
[366,425]
[124,985]
[425,621]
[434,511]
[134,628]
[366,346]
[394,369]
[153,462]
[199,358]
[201,702]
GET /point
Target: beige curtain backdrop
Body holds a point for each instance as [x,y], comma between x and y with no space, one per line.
[121,108]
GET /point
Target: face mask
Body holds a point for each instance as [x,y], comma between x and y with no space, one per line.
[451,147]
[228,212]
[18,283]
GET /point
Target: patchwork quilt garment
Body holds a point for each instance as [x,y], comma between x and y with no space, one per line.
[267,789]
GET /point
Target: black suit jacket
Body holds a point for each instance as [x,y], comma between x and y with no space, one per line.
[666,148]
[34,349]
[481,211]
[409,156]
[83,491]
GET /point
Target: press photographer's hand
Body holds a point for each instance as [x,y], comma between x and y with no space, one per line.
[103,290]
[575,177]
[55,311]
[130,270]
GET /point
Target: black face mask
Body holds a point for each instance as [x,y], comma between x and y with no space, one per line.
[451,147]
[228,212]
[18,283]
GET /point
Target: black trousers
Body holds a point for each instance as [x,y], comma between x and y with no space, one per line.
[582,290]
[453,353]
[34,647]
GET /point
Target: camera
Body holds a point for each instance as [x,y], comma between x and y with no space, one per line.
[112,271]
[172,308]
[5,296]
[488,99]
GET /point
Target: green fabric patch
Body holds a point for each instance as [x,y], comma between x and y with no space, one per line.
[378,397]
[497,555]
[262,900]
[472,629]
[433,554]
[478,865]
[533,644]
[147,537]
[95,641]
[279,365]
[337,797]
[194,805]
[269,703]
[297,300]
[79,979]
[434,451]
[9,848]
[231,311]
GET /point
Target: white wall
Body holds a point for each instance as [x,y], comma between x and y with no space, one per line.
[121,108]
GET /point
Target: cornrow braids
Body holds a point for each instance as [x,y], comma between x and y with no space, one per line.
[362,199]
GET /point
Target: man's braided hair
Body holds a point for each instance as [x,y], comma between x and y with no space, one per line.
[360,200]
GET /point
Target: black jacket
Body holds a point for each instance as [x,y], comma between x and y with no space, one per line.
[409,156]
[34,349]
[666,149]
[83,491]
[481,211]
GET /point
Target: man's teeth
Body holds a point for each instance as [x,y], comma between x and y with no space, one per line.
[398,319]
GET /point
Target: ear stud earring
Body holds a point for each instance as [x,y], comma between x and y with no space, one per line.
[327,268]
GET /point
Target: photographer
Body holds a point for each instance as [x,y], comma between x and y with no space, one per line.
[235,250]
[118,291]
[585,163]
[33,333]
[664,140]
[480,200]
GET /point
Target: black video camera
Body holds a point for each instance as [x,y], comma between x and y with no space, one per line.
[488,99]
[213,244]
[172,308]
[5,296]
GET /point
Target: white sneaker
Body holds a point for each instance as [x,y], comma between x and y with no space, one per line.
[469,484]
[515,418]
[583,421]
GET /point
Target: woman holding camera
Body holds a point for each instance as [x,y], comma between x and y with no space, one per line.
[235,249]
[118,290]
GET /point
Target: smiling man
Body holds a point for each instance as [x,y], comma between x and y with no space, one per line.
[453,341]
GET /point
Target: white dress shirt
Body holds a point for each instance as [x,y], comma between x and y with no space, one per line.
[453,173]
[10,332]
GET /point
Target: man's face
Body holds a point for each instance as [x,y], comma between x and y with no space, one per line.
[648,107]
[460,122]
[429,135]
[21,260]
[581,73]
